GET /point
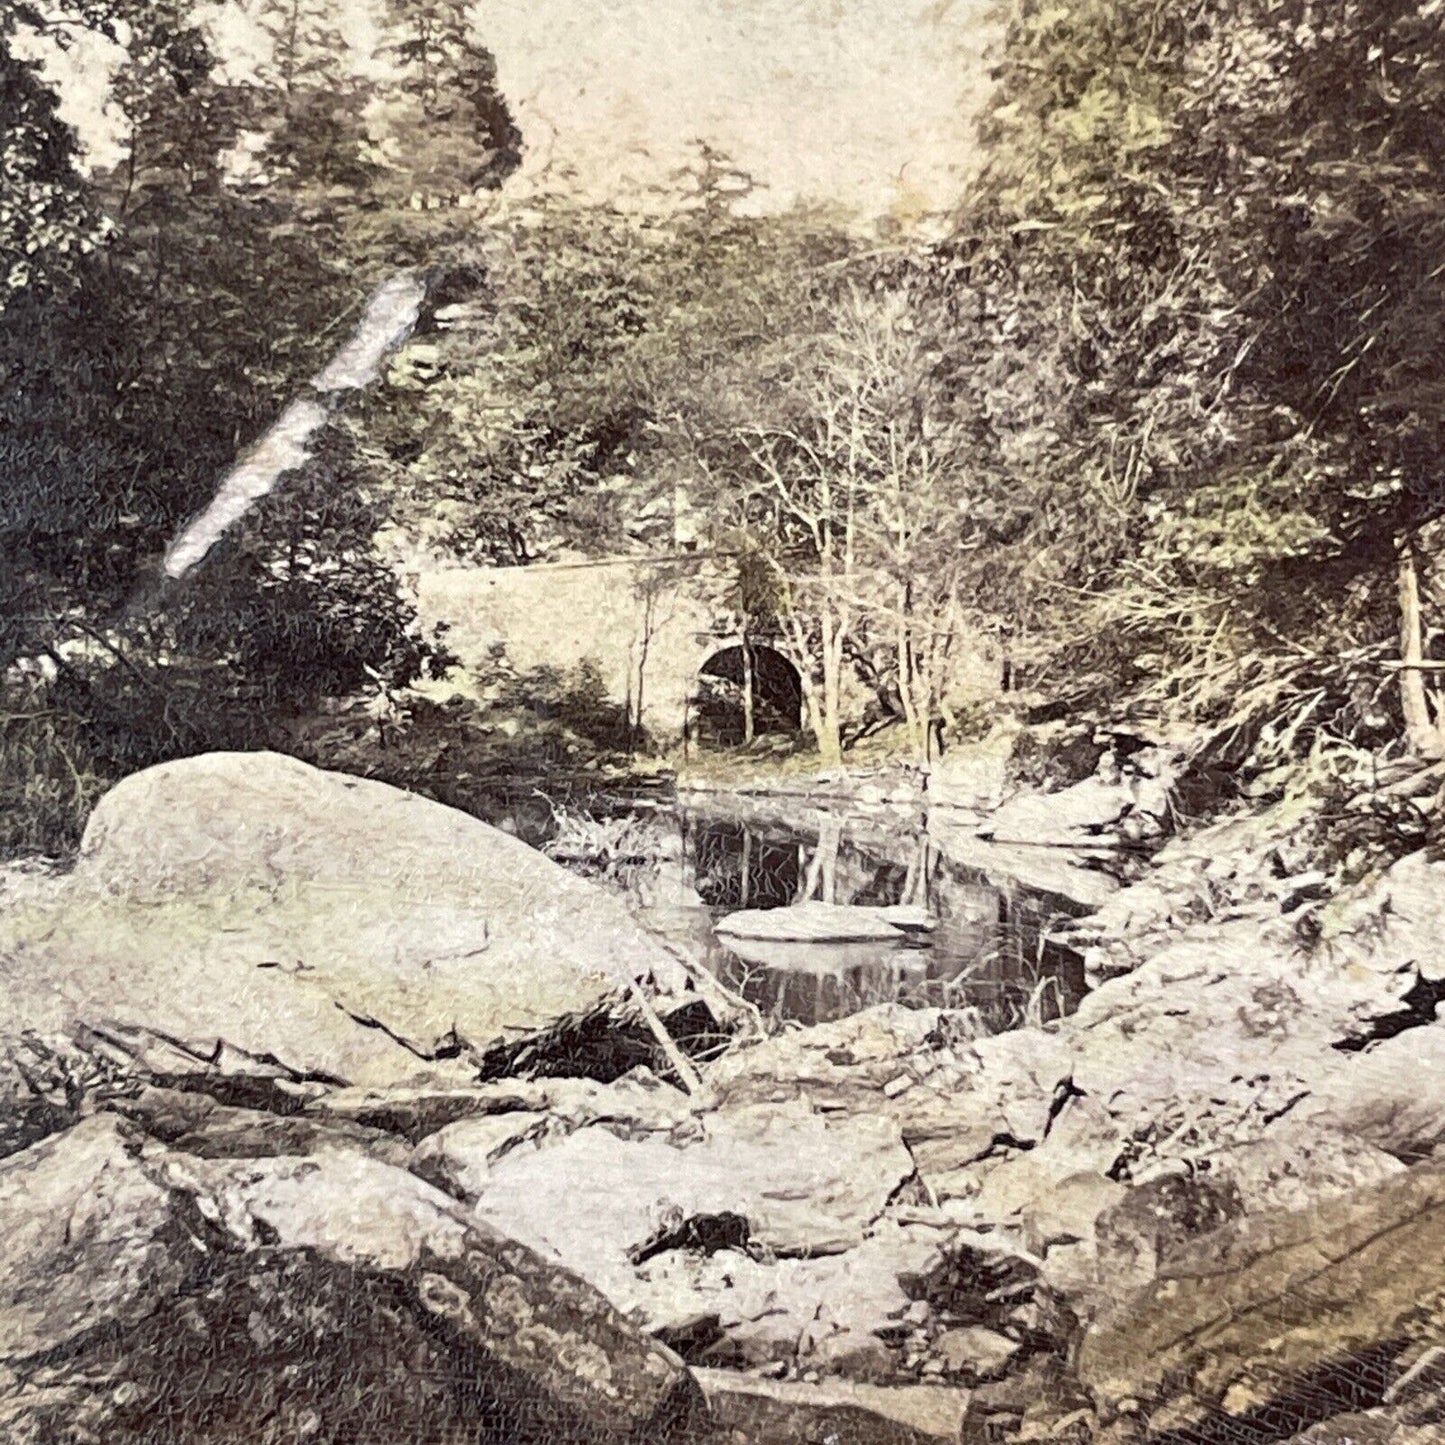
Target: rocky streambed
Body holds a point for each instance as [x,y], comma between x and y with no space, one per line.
[334,1115]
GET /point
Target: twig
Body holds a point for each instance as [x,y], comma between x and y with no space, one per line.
[681,1064]
[1417,782]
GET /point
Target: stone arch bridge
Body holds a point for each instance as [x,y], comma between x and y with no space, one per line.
[650,625]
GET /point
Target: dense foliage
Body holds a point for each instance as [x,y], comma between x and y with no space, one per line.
[1203,287]
[156,315]
[1157,425]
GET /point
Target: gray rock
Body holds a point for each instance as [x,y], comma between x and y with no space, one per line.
[1398,916]
[143,1289]
[459,1158]
[89,1240]
[833,1311]
[639,1102]
[1056,871]
[1128,802]
[837,1066]
[814,922]
[806,1184]
[1390,1095]
[1000,1101]
[341,927]
[1068,1210]
[843,1413]
[1154,1222]
[1250,1318]
[973,778]
[1297,1164]
[1079,814]
[976,1353]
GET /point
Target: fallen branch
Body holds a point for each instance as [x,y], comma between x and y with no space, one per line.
[682,1066]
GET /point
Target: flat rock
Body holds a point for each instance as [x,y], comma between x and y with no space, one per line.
[1217,1034]
[817,959]
[825,1313]
[815,922]
[764,1220]
[1059,872]
[339,927]
[836,1066]
[1073,815]
[805,1184]
[976,1353]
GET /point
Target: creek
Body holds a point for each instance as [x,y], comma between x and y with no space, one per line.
[685,863]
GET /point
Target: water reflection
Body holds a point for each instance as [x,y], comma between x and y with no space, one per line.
[988,952]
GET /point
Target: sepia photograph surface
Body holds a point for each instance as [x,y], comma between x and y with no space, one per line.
[722,722]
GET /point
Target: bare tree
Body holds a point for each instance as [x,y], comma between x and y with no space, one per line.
[848,479]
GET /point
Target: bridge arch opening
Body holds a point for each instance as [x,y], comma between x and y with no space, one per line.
[745,691]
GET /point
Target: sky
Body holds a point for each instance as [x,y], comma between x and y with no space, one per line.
[865,104]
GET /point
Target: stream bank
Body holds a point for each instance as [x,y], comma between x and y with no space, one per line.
[901,1224]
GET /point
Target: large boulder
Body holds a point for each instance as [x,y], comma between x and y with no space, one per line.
[150,1294]
[252,905]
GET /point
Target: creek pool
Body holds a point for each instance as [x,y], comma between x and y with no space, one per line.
[684,864]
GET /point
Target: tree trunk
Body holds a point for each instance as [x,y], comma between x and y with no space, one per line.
[820,704]
[1421,731]
[747,691]
[830,749]
[830,745]
[911,720]
[830,836]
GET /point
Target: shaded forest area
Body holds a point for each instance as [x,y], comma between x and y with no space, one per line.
[1160,417]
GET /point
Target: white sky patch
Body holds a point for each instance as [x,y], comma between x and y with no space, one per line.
[869,104]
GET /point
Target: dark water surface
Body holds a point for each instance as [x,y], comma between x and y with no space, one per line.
[685,864]
[988,951]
